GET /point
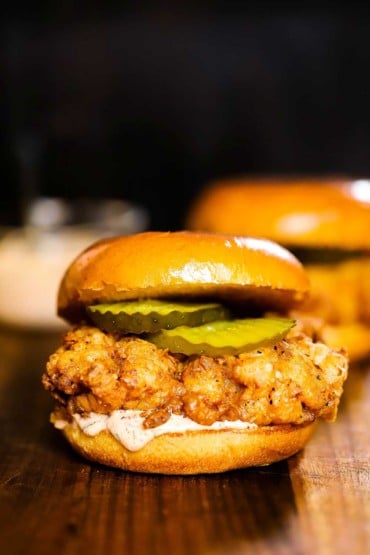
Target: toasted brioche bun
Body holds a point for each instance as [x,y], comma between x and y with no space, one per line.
[182,264]
[295,212]
[194,452]
[308,213]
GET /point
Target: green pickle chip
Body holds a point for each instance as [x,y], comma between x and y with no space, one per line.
[223,337]
[152,315]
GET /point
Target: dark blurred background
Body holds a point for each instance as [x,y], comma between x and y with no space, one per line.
[147,101]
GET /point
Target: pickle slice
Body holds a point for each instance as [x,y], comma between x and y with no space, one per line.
[223,337]
[152,315]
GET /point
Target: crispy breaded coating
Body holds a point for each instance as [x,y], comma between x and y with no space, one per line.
[101,373]
[293,381]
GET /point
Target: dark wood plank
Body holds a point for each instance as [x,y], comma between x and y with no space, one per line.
[52,501]
[331,479]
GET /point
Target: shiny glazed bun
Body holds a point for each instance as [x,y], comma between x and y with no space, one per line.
[183,263]
[195,452]
[323,222]
[295,212]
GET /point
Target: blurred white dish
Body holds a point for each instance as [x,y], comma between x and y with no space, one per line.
[34,258]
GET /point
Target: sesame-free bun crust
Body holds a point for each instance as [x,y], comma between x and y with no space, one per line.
[309,212]
[156,264]
[194,452]
[302,213]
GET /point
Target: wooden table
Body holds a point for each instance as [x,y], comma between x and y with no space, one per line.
[52,502]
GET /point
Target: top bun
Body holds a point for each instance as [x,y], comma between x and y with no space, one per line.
[306,212]
[156,264]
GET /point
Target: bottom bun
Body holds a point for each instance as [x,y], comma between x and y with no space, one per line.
[354,337]
[195,452]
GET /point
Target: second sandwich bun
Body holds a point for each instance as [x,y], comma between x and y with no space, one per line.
[325,222]
[304,212]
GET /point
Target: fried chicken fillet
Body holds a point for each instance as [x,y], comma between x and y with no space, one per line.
[291,382]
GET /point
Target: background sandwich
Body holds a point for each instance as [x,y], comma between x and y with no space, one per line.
[181,359]
[325,223]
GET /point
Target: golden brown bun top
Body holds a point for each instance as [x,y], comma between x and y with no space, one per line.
[293,212]
[156,264]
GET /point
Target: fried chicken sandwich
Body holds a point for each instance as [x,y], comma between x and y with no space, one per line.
[325,223]
[182,357]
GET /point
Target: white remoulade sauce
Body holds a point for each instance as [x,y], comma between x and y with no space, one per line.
[127,426]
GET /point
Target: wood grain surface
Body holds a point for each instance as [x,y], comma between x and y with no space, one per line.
[52,502]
